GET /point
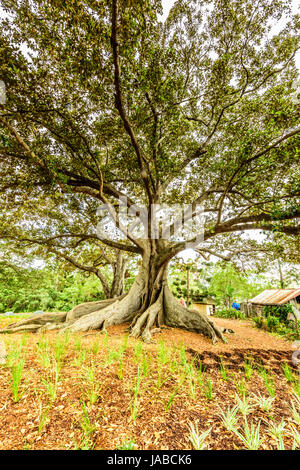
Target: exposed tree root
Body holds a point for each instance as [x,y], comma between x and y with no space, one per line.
[180,317]
[147,320]
[89,307]
[120,310]
[146,312]
[35,322]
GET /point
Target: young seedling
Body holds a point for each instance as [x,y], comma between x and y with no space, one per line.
[105,340]
[112,356]
[182,354]
[125,343]
[268,380]
[295,410]
[296,387]
[251,437]
[162,359]
[190,373]
[174,365]
[229,418]
[288,373]
[78,343]
[127,445]
[87,422]
[43,414]
[67,337]
[16,377]
[174,393]
[264,403]
[248,368]
[146,364]
[92,391]
[121,369]
[88,426]
[197,439]
[14,354]
[24,339]
[162,353]
[244,405]
[95,347]
[135,403]
[51,382]
[208,389]
[121,356]
[200,373]
[80,358]
[276,430]
[160,379]
[138,350]
[280,443]
[241,387]
[296,435]
[85,444]
[60,350]
[223,371]
[42,343]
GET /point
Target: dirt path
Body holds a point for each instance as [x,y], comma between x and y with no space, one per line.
[245,337]
[246,343]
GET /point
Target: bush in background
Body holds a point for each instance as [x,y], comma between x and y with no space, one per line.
[230,313]
[275,320]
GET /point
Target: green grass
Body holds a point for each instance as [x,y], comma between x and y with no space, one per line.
[208,389]
[16,377]
[135,401]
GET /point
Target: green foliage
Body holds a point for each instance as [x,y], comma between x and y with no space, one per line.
[278,311]
[230,313]
[272,323]
[260,322]
[220,281]
[47,290]
[275,320]
[198,109]
[229,284]
[16,377]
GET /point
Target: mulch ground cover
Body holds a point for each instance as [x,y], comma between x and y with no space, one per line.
[112,392]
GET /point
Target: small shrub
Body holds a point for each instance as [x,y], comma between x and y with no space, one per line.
[260,322]
[264,403]
[229,418]
[230,313]
[127,445]
[198,440]
[278,311]
[251,437]
[273,323]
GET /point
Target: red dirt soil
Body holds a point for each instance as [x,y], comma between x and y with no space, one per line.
[155,427]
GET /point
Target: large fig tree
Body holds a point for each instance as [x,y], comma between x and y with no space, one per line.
[104,101]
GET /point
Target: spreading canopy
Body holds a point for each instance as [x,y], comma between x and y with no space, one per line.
[103,101]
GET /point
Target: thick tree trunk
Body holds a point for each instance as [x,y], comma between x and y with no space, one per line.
[149,303]
[117,287]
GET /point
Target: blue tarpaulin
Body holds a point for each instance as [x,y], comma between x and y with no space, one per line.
[236,306]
